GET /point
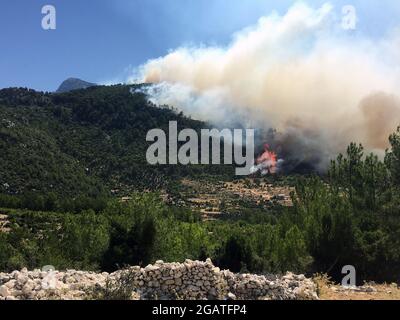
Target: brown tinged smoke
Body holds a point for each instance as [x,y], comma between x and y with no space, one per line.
[381,115]
[319,86]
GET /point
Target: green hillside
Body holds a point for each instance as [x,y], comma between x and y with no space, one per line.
[87,141]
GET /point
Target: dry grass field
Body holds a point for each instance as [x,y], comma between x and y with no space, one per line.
[370,291]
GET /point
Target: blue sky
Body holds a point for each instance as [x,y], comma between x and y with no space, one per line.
[99,40]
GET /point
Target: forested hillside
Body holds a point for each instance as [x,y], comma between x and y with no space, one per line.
[85,142]
[63,156]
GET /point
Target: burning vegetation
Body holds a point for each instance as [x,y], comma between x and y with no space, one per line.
[267,162]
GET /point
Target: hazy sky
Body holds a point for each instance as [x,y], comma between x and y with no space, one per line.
[103,40]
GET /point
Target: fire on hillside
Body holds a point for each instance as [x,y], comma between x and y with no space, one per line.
[267,162]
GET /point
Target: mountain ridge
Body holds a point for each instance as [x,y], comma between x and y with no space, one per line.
[71,84]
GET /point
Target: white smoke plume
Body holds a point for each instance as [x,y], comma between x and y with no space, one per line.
[320,86]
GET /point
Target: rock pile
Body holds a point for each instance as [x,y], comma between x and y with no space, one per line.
[188,280]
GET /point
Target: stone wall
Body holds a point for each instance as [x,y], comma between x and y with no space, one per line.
[188,280]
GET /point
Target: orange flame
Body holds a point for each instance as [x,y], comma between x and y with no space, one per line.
[267,162]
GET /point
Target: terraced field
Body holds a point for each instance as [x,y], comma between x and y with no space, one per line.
[215,199]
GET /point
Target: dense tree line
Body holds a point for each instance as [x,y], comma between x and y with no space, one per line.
[85,142]
[353,217]
[53,202]
[142,231]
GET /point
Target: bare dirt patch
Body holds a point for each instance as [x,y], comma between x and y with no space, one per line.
[370,291]
[4,223]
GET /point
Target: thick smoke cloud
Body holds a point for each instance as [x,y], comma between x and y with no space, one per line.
[319,86]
